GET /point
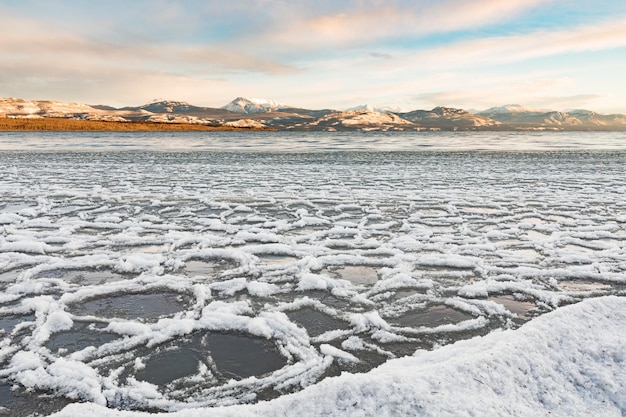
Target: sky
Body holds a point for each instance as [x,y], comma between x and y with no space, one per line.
[408,54]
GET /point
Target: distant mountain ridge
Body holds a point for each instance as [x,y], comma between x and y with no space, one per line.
[253,105]
[376,109]
[264,113]
[441,117]
[576,119]
[509,109]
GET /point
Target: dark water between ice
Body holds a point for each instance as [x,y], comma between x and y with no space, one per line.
[221,267]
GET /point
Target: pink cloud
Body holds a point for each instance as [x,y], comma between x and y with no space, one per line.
[363,25]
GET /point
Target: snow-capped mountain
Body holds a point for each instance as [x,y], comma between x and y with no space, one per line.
[510,109]
[361,119]
[560,118]
[253,105]
[377,109]
[516,116]
[588,117]
[246,124]
[257,113]
[166,106]
[179,110]
[18,107]
[448,118]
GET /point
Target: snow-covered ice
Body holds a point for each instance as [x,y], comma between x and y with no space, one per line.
[569,362]
[387,283]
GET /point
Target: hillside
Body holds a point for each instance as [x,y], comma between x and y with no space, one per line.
[268,114]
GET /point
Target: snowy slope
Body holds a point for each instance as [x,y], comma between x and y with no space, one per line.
[166,106]
[516,115]
[170,109]
[566,363]
[361,119]
[509,109]
[283,117]
[246,124]
[16,107]
[447,118]
[42,108]
[560,118]
[253,105]
[377,109]
[588,117]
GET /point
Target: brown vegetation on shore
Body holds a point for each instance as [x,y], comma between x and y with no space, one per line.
[9,124]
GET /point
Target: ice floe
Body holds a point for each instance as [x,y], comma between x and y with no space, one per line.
[569,362]
[117,266]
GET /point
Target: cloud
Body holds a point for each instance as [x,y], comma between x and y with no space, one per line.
[42,60]
[361,25]
[128,87]
[576,101]
[458,98]
[225,59]
[324,53]
[26,40]
[606,35]
[380,55]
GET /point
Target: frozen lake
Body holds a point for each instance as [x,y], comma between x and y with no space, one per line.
[298,142]
[159,272]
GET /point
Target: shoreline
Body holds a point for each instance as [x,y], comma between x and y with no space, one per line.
[60,125]
[54,124]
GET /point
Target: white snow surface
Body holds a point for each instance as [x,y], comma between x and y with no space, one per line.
[408,276]
[253,105]
[566,363]
[246,123]
[363,119]
[377,109]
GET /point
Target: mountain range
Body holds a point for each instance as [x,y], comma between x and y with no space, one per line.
[263,113]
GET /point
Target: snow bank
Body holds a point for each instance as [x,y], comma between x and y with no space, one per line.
[569,362]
